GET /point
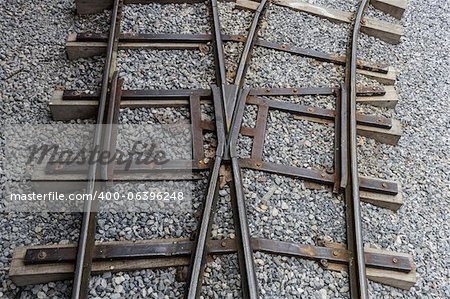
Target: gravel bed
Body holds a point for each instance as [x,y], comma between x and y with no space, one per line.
[291,278]
[98,23]
[234,21]
[284,25]
[233,53]
[33,62]
[372,12]
[275,203]
[273,69]
[165,69]
[166,18]
[221,280]
[298,143]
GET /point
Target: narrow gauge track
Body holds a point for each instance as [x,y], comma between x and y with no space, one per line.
[229,101]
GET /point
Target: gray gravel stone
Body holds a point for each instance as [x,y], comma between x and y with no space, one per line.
[166,18]
[284,24]
[165,69]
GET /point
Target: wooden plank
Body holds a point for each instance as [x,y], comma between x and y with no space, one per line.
[388,32]
[44,182]
[25,274]
[22,274]
[85,49]
[77,50]
[387,136]
[395,8]
[246,4]
[68,110]
[92,6]
[84,109]
[392,278]
[386,79]
[382,200]
[385,31]
[389,100]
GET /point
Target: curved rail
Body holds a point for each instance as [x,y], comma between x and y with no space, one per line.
[357,265]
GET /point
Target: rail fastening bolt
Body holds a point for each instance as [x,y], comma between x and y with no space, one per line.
[42,255]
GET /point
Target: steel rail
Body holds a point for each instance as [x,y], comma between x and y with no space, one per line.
[110,127]
[248,48]
[219,56]
[86,241]
[245,251]
[225,115]
[200,250]
[229,104]
[357,264]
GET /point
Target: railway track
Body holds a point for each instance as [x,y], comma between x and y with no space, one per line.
[229,97]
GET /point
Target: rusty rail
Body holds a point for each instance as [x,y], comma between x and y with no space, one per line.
[229,101]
